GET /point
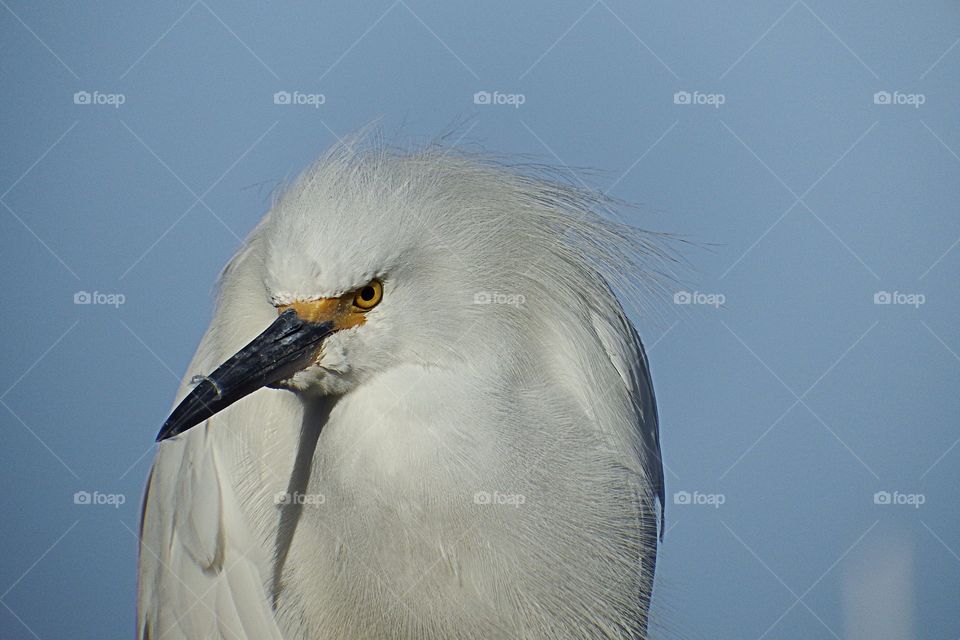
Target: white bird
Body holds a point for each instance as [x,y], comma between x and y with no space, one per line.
[471,445]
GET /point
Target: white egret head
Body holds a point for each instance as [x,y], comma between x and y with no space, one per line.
[373,260]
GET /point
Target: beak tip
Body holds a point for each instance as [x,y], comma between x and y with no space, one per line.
[166,432]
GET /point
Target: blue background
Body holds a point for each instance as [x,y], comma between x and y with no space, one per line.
[792,403]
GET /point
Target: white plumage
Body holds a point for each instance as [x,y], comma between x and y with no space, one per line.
[479,459]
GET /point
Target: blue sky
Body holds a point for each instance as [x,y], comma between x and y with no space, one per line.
[806,373]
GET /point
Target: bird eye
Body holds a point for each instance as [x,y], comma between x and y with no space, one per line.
[369,296]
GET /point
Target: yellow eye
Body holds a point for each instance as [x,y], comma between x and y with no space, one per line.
[369,296]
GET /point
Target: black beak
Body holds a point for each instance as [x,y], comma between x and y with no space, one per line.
[287,346]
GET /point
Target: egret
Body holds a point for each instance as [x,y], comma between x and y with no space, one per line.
[420,411]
